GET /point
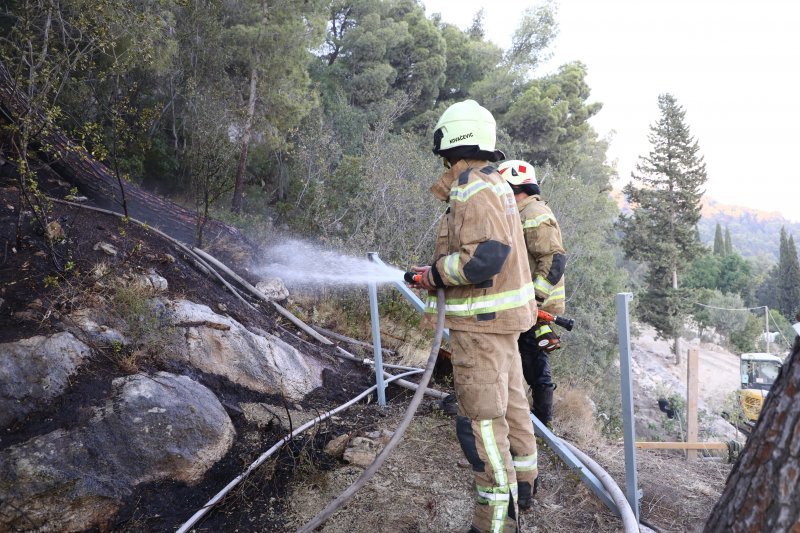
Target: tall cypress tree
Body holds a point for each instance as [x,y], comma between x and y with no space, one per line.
[661,231]
[719,243]
[728,243]
[788,276]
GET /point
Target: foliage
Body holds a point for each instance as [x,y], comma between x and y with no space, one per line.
[551,116]
[788,282]
[586,216]
[662,229]
[145,324]
[744,339]
[728,274]
[719,243]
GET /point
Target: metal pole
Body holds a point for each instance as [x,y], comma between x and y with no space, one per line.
[376,337]
[766,321]
[626,383]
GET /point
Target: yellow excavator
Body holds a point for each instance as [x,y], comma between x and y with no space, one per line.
[758,372]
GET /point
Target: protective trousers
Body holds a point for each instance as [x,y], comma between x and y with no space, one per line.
[494,426]
[536,369]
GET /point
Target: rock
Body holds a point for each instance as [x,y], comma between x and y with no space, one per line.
[86,320]
[222,308]
[382,436]
[26,316]
[154,428]
[265,414]
[36,370]
[273,288]
[100,270]
[107,248]
[336,446]
[75,198]
[222,346]
[150,280]
[258,414]
[54,231]
[361,451]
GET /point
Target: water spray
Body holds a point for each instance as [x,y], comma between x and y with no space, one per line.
[300,263]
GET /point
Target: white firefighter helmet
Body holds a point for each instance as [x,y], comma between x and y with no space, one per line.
[465,124]
[518,172]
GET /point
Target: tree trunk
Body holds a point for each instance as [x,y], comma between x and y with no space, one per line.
[763,489]
[676,343]
[72,163]
[238,187]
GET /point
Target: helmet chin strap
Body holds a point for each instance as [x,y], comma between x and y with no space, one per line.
[446,163]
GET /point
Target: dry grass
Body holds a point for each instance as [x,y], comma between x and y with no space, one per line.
[574,416]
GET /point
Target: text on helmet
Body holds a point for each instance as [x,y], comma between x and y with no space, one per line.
[461,138]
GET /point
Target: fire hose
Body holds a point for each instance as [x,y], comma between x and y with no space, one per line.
[398,434]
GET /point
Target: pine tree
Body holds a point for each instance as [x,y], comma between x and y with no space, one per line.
[728,243]
[661,231]
[719,243]
[788,276]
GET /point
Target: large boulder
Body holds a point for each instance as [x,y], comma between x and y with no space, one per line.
[162,427]
[222,346]
[33,371]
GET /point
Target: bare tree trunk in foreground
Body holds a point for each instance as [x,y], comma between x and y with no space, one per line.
[763,489]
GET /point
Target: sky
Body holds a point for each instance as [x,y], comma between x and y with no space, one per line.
[733,65]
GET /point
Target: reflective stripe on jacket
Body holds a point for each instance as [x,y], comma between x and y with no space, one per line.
[480,254]
[546,254]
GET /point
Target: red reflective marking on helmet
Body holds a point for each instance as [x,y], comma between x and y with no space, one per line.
[522,168]
[502,170]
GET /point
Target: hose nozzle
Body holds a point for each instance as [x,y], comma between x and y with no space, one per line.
[412,278]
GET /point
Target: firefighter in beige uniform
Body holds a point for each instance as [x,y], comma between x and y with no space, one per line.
[547,261]
[481,263]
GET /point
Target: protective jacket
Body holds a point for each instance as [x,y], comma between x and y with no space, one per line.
[546,254]
[480,254]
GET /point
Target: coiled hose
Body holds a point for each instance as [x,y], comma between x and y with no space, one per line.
[398,434]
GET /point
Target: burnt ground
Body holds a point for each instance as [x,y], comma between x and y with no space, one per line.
[424,486]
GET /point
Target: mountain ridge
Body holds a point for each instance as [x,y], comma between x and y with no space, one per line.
[755,233]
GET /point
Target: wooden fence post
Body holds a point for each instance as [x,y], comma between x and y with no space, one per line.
[692,382]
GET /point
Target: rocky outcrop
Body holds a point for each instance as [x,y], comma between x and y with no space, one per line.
[220,345]
[36,370]
[153,428]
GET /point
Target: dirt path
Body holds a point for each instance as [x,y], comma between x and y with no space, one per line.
[656,376]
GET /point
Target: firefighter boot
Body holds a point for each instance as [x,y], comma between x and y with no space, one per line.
[525,494]
[543,403]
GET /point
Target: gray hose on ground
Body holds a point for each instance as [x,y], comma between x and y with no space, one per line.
[629,522]
[263,457]
[398,434]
